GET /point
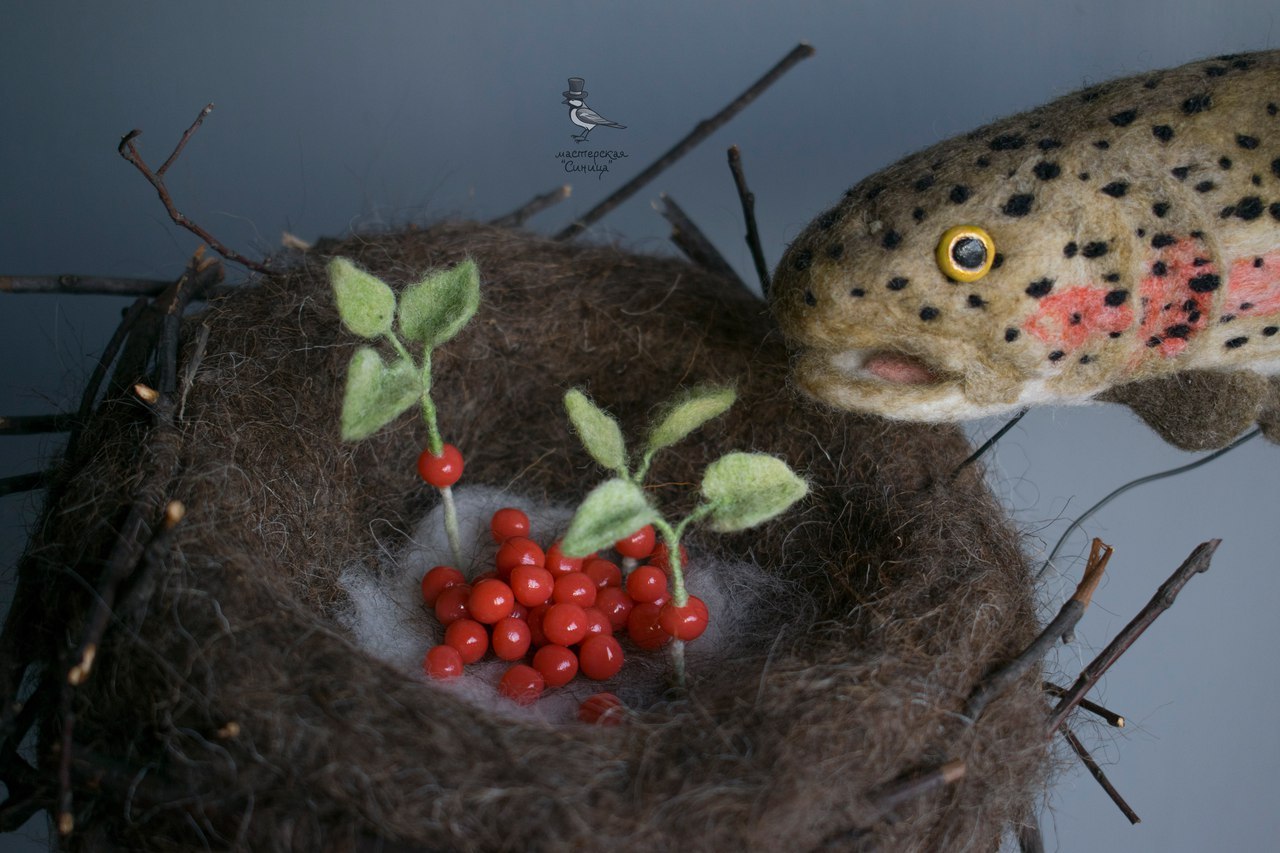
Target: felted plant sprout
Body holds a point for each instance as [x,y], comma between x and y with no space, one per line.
[739,491]
[429,313]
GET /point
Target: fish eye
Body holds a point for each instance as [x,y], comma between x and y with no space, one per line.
[965,253]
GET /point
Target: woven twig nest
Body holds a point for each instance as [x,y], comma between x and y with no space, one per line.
[229,707]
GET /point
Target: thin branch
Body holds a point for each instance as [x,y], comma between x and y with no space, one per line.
[906,790]
[534,206]
[1141,481]
[35,424]
[690,239]
[130,152]
[996,683]
[24,482]
[1096,772]
[1197,562]
[77,285]
[989,443]
[703,129]
[1109,716]
[91,388]
[748,200]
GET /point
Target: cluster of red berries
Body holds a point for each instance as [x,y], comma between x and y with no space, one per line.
[565,609]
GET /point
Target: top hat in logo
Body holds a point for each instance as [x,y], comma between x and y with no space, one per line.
[581,114]
[576,92]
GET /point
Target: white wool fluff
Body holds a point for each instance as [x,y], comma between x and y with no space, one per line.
[387,618]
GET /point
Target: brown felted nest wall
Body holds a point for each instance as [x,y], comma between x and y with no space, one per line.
[909,587]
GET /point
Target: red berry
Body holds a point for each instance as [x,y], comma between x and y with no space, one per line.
[600,657]
[574,588]
[558,564]
[491,600]
[518,551]
[603,573]
[616,606]
[522,683]
[603,709]
[519,611]
[597,622]
[643,627]
[437,581]
[508,522]
[441,471]
[556,664]
[536,615]
[684,623]
[442,662]
[564,624]
[511,638]
[469,637]
[660,555]
[646,583]
[451,604]
[532,585]
[638,545]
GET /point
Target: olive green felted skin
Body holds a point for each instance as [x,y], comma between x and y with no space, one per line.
[1137,235]
[898,588]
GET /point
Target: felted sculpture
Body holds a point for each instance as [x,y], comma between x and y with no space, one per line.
[1120,244]
[228,706]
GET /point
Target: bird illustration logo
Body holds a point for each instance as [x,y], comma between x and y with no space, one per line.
[581,114]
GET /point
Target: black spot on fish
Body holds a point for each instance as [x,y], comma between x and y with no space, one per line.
[1180,172]
[924,183]
[857,292]
[1040,288]
[976,301]
[1270,330]
[928,313]
[960,194]
[1102,145]
[1197,104]
[1116,297]
[835,250]
[983,162]
[1205,186]
[1274,210]
[1204,283]
[1224,163]
[1153,341]
[1215,70]
[1018,205]
[1246,142]
[891,240]
[1047,171]
[1094,250]
[918,214]
[1070,249]
[828,219]
[1056,355]
[1048,144]
[1123,119]
[897,283]
[802,260]
[1161,240]
[1160,208]
[1011,335]
[1159,268]
[1249,207]
[1116,189]
[1084,359]
[809,298]
[1236,343]
[1163,132]
[1111,277]
[1008,142]
[1181,330]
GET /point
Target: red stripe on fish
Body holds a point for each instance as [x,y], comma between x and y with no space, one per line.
[1176,294]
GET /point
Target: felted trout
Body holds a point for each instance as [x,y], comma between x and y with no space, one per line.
[1121,243]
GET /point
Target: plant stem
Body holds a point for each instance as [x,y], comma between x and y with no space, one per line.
[451,525]
[677,661]
[679,595]
[434,441]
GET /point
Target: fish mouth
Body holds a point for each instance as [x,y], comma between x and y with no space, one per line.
[886,382]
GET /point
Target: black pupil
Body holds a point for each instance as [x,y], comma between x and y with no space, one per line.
[969,253]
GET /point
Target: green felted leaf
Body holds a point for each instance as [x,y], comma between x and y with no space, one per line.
[614,509]
[598,431]
[687,413]
[436,308]
[745,489]
[365,303]
[376,393]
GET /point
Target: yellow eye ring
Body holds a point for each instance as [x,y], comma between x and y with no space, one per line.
[966,253]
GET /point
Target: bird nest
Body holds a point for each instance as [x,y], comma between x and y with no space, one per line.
[225,700]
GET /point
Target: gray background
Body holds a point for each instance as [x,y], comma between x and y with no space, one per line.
[334,116]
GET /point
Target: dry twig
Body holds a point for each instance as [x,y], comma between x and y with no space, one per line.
[1111,717]
[1197,562]
[690,239]
[35,424]
[130,152]
[536,205]
[1096,771]
[704,128]
[748,200]
[1003,678]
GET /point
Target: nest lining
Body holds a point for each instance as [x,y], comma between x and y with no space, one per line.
[902,587]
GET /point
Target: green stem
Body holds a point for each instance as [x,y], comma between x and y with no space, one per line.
[451,525]
[670,536]
[434,441]
[677,661]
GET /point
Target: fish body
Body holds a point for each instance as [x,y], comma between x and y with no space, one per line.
[1133,242]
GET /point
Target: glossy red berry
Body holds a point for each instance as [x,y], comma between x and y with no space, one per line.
[684,623]
[600,657]
[511,638]
[616,606]
[518,551]
[451,604]
[643,627]
[441,471]
[556,664]
[519,611]
[597,622]
[574,588]
[532,585]
[603,572]
[522,683]
[508,522]
[564,624]
[536,615]
[646,583]
[437,581]
[558,564]
[638,545]
[660,557]
[442,662]
[490,600]
[469,637]
[602,709]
